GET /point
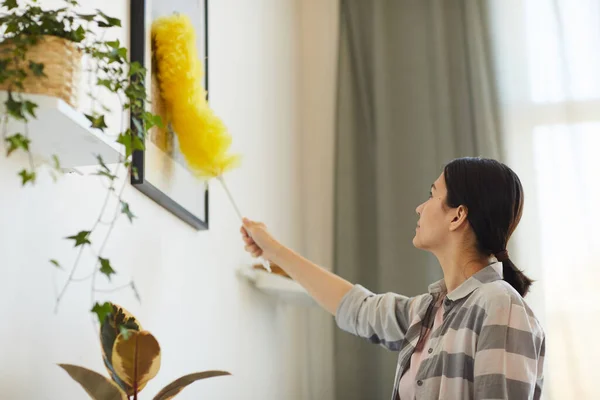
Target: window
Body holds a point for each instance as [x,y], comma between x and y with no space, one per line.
[547,59]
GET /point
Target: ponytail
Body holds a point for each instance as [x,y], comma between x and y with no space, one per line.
[493,196]
[515,277]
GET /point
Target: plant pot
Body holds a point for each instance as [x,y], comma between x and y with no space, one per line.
[62,67]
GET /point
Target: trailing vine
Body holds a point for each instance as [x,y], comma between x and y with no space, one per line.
[23,25]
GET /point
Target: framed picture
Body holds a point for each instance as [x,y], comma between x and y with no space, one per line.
[162,172]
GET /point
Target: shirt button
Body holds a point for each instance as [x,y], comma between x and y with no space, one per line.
[448,302]
[430,351]
[420,382]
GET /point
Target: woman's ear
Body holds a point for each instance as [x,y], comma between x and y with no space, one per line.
[459,218]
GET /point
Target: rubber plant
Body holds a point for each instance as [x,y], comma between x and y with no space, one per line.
[23,25]
[132,357]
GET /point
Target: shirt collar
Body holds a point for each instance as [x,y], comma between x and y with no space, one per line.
[491,273]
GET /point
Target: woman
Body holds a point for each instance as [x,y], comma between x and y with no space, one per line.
[472,336]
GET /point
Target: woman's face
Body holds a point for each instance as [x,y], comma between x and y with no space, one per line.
[435,218]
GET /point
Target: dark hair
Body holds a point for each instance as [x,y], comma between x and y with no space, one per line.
[493,196]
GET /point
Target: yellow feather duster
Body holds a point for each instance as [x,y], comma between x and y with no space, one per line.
[203,137]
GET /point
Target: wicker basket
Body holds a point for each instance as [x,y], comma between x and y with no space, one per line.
[62,66]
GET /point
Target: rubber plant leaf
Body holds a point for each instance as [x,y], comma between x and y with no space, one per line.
[178,385]
[109,330]
[96,385]
[136,359]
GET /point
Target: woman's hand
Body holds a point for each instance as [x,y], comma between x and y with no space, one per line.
[259,241]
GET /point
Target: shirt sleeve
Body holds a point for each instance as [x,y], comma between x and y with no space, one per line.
[509,353]
[382,319]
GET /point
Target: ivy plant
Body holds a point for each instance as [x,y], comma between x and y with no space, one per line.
[23,24]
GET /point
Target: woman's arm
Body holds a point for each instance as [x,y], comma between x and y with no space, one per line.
[325,287]
[382,319]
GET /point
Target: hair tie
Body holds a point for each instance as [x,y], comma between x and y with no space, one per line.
[502,255]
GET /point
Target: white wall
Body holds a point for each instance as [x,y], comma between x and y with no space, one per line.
[201,313]
[319,20]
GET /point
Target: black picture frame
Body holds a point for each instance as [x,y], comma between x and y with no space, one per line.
[139,48]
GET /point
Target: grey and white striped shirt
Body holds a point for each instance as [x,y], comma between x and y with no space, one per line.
[489,346]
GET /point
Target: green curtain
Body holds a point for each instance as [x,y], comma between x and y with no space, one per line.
[415,91]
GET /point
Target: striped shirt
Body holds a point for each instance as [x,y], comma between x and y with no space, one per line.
[489,345]
[406,386]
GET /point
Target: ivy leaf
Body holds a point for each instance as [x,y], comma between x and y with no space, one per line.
[10,4]
[56,264]
[86,17]
[97,54]
[102,310]
[105,171]
[14,108]
[105,267]
[37,68]
[125,210]
[11,27]
[30,108]
[135,91]
[157,120]
[152,120]
[78,34]
[97,122]
[138,144]
[27,176]
[56,162]
[57,170]
[102,163]
[125,140]
[136,68]
[82,238]
[107,83]
[117,55]
[17,109]
[115,44]
[108,21]
[106,174]
[15,142]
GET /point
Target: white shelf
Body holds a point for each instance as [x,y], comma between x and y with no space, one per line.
[277,286]
[60,129]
